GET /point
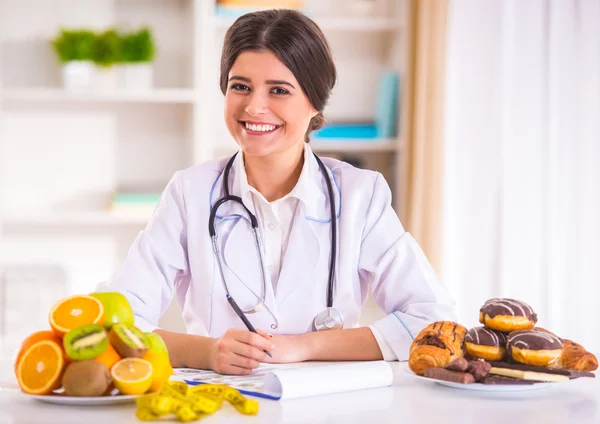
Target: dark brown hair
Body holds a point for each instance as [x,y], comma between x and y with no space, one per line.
[296,41]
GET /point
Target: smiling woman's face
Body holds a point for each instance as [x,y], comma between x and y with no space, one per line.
[266,111]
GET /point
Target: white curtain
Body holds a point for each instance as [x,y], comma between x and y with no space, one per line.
[521,160]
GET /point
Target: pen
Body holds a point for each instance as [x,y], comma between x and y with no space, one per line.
[240,314]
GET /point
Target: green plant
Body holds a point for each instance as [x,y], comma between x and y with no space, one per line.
[107,48]
[71,45]
[138,46]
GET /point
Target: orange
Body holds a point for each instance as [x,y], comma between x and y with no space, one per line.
[34,338]
[109,357]
[132,376]
[75,311]
[39,371]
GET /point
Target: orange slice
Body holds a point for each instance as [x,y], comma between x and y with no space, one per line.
[75,311]
[40,369]
[31,340]
[132,376]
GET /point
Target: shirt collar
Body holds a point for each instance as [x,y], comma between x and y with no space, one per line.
[310,190]
[301,190]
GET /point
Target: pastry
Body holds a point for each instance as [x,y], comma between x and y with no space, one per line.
[459,364]
[479,369]
[485,343]
[507,315]
[447,375]
[436,346]
[534,347]
[574,356]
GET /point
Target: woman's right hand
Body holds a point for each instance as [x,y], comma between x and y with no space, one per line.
[238,352]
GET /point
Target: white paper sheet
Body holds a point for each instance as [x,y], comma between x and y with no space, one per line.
[299,380]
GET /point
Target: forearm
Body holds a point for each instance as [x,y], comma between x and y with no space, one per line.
[354,344]
[187,350]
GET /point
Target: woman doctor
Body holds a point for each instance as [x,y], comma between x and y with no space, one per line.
[326,231]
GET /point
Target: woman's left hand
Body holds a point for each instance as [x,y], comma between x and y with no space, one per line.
[289,348]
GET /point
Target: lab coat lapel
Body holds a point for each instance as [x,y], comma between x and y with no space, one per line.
[300,260]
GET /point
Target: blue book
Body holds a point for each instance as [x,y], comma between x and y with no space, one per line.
[346,131]
[386,108]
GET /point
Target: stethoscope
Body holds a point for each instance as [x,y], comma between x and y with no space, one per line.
[330,318]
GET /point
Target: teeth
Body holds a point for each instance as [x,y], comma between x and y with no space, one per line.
[262,128]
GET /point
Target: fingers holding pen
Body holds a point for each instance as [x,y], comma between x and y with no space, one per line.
[239,352]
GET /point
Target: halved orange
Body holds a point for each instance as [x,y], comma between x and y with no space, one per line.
[75,311]
[34,338]
[132,376]
[39,371]
[109,357]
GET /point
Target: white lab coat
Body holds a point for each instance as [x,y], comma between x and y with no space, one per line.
[174,256]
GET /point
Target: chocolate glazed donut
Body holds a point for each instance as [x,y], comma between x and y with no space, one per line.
[485,343]
[507,315]
[533,347]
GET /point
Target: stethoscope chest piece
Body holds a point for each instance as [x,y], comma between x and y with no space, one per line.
[329,319]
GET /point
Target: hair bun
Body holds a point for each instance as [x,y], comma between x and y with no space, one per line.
[316,123]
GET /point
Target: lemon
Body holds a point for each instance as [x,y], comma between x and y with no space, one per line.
[132,376]
[161,369]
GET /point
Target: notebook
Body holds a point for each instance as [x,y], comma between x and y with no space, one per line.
[297,380]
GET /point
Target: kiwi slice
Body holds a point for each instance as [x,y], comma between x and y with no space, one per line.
[128,340]
[85,342]
[86,378]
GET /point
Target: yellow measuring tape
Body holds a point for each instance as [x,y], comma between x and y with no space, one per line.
[191,403]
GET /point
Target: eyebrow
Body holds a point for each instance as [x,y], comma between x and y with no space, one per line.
[270,82]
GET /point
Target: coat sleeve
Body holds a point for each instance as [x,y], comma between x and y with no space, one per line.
[403,282]
[156,260]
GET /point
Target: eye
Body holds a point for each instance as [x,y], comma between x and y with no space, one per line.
[280,91]
[239,87]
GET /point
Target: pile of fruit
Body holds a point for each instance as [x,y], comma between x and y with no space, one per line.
[92,349]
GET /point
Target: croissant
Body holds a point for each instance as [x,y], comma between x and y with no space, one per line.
[574,356]
[436,346]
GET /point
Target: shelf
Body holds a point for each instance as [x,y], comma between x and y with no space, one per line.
[74,218]
[354,146]
[336,146]
[163,95]
[337,24]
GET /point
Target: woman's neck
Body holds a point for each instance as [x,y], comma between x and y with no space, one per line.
[275,175]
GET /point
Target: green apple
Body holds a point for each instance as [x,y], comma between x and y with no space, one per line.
[116,308]
[157,344]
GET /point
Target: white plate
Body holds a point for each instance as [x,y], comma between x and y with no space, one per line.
[484,387]
[83,401]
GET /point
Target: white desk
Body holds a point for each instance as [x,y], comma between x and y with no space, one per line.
[408,400]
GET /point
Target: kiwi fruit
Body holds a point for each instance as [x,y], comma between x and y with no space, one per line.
[85,342]
[128,341]
[86,378]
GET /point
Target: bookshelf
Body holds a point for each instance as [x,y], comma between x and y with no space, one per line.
[63,155]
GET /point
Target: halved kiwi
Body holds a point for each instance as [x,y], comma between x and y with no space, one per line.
[86,378]
[128,340]
[85,342]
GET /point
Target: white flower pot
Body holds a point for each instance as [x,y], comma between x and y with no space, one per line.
[106,79]
[78,75]
[137,76]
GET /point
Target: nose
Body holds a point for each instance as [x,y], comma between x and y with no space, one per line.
[257,105]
